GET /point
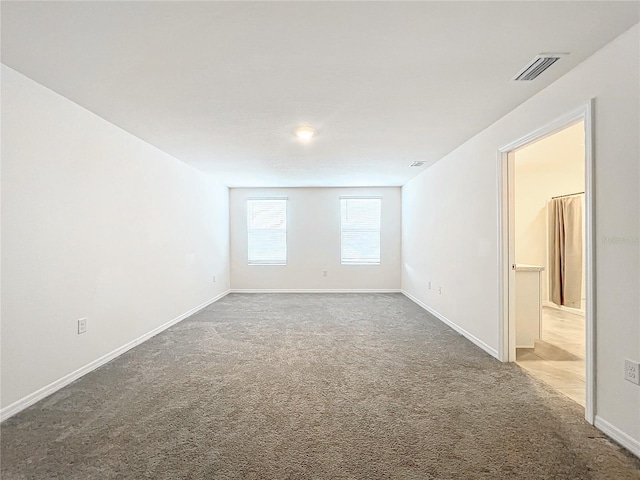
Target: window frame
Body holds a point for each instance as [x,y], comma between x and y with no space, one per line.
[286,230]
[361,197]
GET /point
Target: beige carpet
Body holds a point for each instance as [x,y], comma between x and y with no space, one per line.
[308,386]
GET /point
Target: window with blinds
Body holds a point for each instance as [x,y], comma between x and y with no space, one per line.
[267,231]
[360,231]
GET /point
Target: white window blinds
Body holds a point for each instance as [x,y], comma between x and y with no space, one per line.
[360,231]
[267,231]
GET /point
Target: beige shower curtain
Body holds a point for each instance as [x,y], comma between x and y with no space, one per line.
[565,251]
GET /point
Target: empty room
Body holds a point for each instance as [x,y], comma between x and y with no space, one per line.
[320,240]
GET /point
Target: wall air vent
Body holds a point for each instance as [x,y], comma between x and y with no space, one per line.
[538,65]
[416,164]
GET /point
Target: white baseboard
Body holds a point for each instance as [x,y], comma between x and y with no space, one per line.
[312,290]
[619,436]
[491,351]
[38,395]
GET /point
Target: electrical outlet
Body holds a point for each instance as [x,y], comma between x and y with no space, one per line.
[632,371]
[440,290]
[429,285]
[82,325]
[324,273]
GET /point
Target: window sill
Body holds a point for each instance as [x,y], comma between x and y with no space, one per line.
[267,264]
[361,264]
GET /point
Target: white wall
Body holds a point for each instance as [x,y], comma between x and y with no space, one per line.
[313,242]
[450,221]
[547,168]
[97,224]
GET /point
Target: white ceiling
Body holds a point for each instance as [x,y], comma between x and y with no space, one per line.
[222,85]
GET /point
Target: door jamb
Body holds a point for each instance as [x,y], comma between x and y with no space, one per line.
[505,232]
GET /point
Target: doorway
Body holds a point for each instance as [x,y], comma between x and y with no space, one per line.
[546,222]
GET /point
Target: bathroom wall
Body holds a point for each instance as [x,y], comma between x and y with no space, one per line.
[550,167]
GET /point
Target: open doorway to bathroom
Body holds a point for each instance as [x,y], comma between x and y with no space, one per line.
[547,259]
[549,256]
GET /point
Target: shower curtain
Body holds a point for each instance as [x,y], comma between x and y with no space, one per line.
[565,251]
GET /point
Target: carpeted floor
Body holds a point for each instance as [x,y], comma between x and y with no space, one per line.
[297,386]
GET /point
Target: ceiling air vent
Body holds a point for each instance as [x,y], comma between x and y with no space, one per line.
[538,65]
[416,164]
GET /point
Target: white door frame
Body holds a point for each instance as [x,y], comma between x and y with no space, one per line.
[506,278]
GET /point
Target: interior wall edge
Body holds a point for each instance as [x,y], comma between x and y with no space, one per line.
[472,338]
[470,294]
[56,385]
[618,435]
[87,212]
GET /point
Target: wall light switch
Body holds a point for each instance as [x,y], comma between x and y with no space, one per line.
[429,285]
[82,325]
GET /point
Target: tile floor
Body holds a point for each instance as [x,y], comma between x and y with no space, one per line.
[558,358]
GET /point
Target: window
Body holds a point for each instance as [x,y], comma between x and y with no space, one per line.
[267,231]
[360,231]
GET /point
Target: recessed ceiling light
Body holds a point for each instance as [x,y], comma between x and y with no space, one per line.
[305,132]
